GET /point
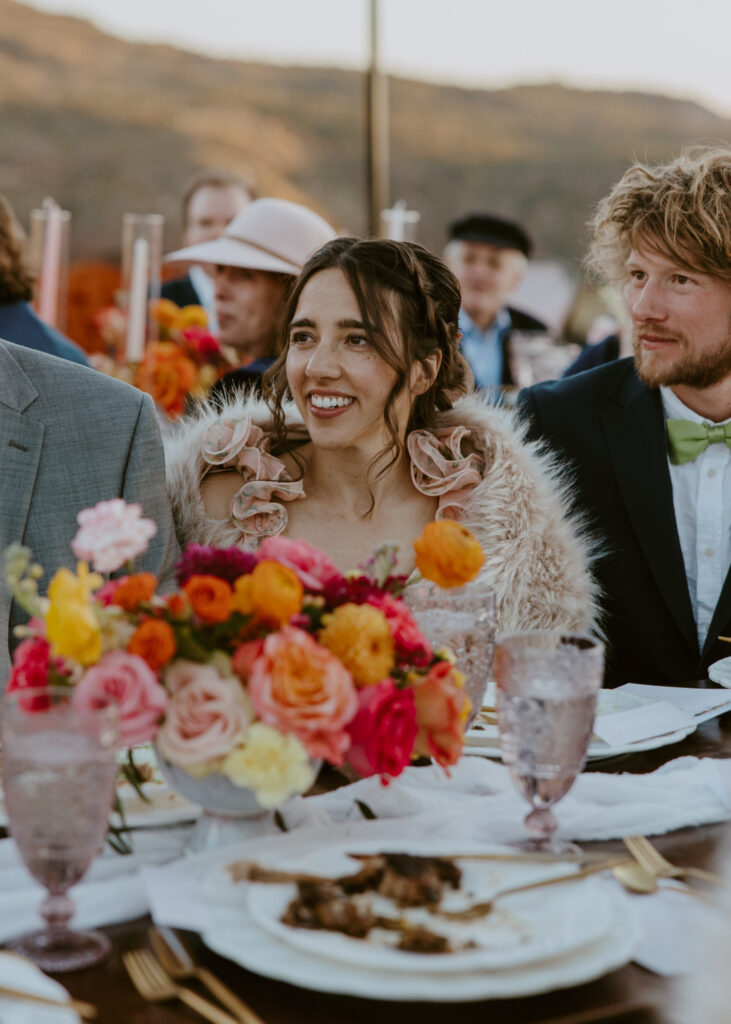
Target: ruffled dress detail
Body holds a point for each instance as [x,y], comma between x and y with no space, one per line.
[256,507]
[444,464]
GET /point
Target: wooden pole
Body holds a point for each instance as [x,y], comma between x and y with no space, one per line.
[376,129]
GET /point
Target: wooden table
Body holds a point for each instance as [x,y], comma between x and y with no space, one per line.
[278,1003]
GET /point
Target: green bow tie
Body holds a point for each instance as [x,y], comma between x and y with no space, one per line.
[686,439]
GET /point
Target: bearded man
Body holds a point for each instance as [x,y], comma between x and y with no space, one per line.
[649,437]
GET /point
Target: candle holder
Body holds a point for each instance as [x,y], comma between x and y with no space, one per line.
[141,258]
[50,232]
[399,223]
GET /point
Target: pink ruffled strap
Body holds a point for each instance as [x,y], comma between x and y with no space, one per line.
[440,468]
[241,445]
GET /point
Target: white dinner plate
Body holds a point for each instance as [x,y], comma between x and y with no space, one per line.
[720,672]
[483,738]
[522,929]
[238,937]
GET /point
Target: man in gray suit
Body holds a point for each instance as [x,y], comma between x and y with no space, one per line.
[70,437]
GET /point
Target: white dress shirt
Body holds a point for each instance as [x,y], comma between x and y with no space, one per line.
[702,502]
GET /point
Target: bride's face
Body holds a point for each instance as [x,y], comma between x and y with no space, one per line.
[338,380]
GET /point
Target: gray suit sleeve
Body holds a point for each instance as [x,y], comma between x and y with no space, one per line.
[144,482]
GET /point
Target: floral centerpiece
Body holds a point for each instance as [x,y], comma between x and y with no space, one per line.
[184,359]
[257,666]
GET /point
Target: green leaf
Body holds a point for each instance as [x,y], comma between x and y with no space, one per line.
[365,810]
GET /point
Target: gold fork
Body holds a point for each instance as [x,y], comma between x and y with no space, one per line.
[649,857]
[179,964]
[156,986]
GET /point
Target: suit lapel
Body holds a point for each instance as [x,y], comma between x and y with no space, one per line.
[635,431]
[21,441]
[721,616]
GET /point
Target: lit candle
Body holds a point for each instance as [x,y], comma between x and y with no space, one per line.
[50,265]
[137,301]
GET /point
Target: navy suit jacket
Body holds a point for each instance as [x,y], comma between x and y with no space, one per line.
[19,324]
[181,291]
[610,428]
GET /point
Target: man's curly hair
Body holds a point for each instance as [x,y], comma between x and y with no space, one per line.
[680,210]
[16,278]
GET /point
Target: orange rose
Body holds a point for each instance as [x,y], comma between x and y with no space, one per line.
[210,597]
[168,375]
[134,589]
[448,554]
[273,592]
[164,312]
[154,642]
[441,712]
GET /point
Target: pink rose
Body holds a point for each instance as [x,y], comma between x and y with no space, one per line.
[203,719]
[105,594]
[244,657]
[203,342]
[112,533]
[131,683]
[383,732]
[313,567]
[411,646]
[300,687]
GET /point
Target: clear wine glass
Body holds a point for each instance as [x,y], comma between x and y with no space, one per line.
[59,773]
[463,619]
[547,685]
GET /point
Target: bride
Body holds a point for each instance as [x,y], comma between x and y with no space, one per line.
[370,430]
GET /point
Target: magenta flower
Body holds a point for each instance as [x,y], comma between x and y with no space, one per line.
[225,563]
[112,533]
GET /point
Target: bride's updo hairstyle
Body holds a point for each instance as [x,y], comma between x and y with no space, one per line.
[409,302]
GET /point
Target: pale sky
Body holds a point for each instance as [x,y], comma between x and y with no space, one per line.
[680,49]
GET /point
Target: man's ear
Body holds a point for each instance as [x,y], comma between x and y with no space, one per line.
[424,373]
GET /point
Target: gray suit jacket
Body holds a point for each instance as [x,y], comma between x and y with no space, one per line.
[70,437]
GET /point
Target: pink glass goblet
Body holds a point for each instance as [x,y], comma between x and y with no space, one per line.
[547,684]
[462,619]
[59,772]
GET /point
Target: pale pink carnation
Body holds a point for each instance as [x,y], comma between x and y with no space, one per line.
[204,718]
[299,687]
[130,682]
[112,533]
[313,566]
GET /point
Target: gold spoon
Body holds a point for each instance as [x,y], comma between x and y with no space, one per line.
[634,877]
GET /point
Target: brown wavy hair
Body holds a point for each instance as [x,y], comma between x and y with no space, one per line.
[409,301]
[16,278]
[680,210]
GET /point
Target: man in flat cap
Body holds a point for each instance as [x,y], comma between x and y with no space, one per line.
[488,255]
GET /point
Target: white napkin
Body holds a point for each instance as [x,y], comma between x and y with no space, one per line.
[23,975]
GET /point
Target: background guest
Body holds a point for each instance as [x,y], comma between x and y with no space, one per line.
[488,255]
[210,202]
[18,322]
[650,436]
[255,261]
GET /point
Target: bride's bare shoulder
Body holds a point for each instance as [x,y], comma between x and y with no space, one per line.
[217,491]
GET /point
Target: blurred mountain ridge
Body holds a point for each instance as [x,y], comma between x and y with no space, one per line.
[108,126]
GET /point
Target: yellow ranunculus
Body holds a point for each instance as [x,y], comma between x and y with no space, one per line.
[274,765]
[71,623]
[360,636]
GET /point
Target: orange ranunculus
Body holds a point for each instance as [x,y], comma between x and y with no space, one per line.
[448,554]
[272,592]
[360,636]
[190,316]
[134,589]
[168,375]
[154,642]
[211,598]
[441,712]
[164,312]
[178,605]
